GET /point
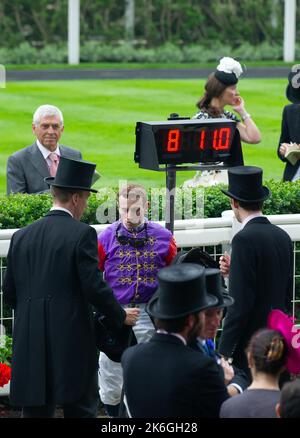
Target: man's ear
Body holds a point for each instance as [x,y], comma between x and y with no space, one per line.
[235,203]
[75,198]
[33,128]
[250,359]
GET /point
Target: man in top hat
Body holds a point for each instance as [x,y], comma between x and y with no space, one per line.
[261,268]
[52,280]
[290,127]
[235,378]
[165,378]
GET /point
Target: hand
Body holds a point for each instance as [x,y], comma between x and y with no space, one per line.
[224,264]
[283,148]
[132,314]
[228,371]
[239,105]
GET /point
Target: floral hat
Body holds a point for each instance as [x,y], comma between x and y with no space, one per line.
[228,71]
[284,324]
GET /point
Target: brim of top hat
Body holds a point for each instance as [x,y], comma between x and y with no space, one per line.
[292,94]
[227,299]
[153,309]
[266,194]
[50,180]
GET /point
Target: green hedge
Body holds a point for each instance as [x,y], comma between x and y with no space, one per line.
[18,210]
[93,51]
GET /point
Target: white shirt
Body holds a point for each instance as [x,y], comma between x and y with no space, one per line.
[251,216]
[45,152]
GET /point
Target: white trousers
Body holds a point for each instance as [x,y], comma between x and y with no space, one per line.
[110,374]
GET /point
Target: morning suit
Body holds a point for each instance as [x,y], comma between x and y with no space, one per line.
[240,379]
[27,168]
[165,379]
[290,132]
[260,279]
[52,281]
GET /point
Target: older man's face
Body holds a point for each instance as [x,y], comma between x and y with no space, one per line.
[48,131]
[213,318]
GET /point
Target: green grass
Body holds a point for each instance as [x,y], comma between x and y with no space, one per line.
[100,118]
[135,65]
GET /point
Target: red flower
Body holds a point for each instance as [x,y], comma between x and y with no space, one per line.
[5,373]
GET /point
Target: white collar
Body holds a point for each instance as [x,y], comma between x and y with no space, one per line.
[251,216]
[61,209]
[45,152]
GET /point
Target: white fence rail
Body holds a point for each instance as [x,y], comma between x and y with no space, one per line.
[214,235]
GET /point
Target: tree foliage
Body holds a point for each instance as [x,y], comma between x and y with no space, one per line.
[156,21]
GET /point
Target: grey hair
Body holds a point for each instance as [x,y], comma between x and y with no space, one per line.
[46,111]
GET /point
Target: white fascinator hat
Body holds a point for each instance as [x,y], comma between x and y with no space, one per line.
[228,71]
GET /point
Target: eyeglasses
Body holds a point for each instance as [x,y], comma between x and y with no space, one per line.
[135,242]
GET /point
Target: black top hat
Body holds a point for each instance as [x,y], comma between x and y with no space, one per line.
[195,255]
[245,184]
[293,88]
[214,287]
[73,174]
[181,291]
[111,341]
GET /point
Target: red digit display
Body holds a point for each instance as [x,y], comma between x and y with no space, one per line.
[202,140]
[221,138]
[173,140]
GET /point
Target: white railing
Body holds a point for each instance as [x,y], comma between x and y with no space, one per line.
[213,234]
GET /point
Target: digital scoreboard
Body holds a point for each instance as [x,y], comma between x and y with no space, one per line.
[206,142]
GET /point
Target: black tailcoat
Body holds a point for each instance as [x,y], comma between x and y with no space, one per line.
[260,279]
[163,378]
[52,281]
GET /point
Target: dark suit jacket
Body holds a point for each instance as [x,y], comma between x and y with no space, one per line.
[27,168]
[165,379]
[260,279]
[52,279]
[240,378]
[290,131]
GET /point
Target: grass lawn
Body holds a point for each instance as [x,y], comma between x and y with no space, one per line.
[136,65]
[100,118]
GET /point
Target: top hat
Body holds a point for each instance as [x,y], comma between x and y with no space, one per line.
[293,88]
[245,184]
[228,71]
[73,174]
[196,255]
[278,320]
[214,287]
[112,341]
[181,291]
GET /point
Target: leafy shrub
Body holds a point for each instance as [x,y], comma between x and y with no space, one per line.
[168,53]
[18,210]
[52,54]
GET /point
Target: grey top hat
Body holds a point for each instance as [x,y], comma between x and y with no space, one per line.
[181,291]
[73,174]
[214,287]
[245,184]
